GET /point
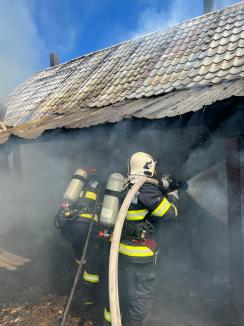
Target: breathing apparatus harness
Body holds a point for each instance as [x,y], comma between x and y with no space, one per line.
[137,232]
[83,208]
[142,232]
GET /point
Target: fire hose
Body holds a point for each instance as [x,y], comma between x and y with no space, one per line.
[114,251]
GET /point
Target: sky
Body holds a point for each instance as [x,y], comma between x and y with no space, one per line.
[31,29]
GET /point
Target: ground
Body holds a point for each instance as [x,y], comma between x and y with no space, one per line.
[48,313]
[187,293]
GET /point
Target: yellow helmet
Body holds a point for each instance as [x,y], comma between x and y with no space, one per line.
[141,164]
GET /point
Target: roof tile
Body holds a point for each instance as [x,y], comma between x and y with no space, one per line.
[203,51]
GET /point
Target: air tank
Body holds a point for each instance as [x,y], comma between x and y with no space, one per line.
[110,206]
[75,186]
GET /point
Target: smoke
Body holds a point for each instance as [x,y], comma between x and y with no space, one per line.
[49,164]
[29,206]
[21,47]
[192,282]
[158,15]
[209,184]
[225,3]
[33,29]
[30,30]
[30,201]
[60,24]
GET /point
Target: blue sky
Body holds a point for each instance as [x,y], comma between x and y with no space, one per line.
[31,29]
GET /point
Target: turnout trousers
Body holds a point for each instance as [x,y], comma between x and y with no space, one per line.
[137,286]
[74,231]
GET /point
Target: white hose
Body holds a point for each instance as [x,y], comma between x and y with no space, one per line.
[114,251]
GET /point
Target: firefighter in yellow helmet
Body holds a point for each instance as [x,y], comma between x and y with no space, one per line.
[139,246]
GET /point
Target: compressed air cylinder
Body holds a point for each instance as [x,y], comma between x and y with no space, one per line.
[75,186]
[110,206]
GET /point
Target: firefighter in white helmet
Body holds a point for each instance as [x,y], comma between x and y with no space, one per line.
[139,246]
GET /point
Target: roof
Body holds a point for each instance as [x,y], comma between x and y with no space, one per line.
[194,56]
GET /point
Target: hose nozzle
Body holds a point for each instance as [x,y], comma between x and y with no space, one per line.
[182,185]
[169,183]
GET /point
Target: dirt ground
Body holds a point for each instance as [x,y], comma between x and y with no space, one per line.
[48,313]
[35,307]
[35,293]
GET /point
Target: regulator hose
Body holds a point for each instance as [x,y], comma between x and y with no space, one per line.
[114,250]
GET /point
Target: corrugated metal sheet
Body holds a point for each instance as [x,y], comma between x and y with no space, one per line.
[110,84]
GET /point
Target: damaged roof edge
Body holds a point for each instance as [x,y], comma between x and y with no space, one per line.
[170,105]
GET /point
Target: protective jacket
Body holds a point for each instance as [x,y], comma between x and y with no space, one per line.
[139,239]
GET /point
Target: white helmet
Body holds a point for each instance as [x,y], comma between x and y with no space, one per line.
[141,164]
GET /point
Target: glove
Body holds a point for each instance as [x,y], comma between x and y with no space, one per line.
[169,183]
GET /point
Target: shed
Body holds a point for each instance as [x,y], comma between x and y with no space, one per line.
[176,93]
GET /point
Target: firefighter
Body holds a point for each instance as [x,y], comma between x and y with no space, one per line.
[139,246]
[73,219]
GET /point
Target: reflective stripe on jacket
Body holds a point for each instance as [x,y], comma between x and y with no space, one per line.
[136,215]
[135,250]
[91,195]
[162,208]
[88,216]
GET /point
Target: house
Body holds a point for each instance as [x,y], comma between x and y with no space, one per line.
[177,93]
